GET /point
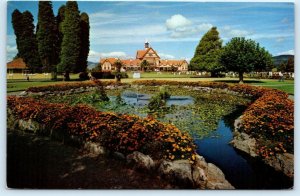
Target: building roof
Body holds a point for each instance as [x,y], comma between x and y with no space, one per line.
[17,64]
[110,60]
[172,62]
[125,62]
[141,53]
[131,62]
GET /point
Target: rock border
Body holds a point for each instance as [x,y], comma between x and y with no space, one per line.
[197,175]
[282,162]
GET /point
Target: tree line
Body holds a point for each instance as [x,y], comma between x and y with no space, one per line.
[239,55]
[59,44]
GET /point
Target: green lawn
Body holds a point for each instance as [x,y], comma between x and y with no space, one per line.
[18,83]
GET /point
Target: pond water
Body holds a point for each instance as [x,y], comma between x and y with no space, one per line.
[241,171]
[207,117]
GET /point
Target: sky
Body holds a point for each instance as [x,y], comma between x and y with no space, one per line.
[173,29]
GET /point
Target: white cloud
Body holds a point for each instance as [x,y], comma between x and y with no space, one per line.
[11,49]
[228,32]
[189,31]
[181,27]
[166,56]
[95,56]
[280,39]
[177,21]
[98,15]
[289,52]
[11,52]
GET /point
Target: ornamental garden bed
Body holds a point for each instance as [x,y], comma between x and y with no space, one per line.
[167,120]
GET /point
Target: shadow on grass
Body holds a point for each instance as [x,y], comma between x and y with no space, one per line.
[237,81]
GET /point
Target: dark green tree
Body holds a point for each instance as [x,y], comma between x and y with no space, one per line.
[85,43]
[206,57]
[71,42]
[18,27]
[290,65]
[244,55]
[26,39]
[118,64]
[145,65]
[59,21]
[47,36]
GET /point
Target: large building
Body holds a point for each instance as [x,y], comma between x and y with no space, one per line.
[155,63]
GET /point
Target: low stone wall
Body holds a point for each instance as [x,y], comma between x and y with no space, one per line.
[283,162]
[199,175]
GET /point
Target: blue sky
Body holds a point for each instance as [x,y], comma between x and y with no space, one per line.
[173,29]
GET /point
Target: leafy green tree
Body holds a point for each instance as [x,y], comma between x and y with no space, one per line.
[85,43]
[26,39]
[244,55]
[206,57]
[71,42]
[47,36]
[145,65]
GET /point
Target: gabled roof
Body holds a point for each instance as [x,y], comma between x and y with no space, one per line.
[110,60]
[141,53]
[17,64]
[131,62]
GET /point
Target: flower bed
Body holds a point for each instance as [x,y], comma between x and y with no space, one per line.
[123,133]
[270,119]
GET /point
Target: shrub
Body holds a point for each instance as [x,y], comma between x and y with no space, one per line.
[103,75]
[83,76]
[123,133]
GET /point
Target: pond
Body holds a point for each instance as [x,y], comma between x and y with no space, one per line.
[207,116]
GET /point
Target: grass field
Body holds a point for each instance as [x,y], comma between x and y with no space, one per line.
[18,82]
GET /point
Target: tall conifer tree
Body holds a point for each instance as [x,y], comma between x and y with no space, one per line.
[85,43]
[26,39]
[59,21]
[71,43]
[207,53]
[47,36]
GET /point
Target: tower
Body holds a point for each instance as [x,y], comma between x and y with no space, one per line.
[146,44]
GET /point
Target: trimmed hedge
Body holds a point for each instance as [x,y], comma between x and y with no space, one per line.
[123,133]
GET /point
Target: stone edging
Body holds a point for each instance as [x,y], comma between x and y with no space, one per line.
[283,162]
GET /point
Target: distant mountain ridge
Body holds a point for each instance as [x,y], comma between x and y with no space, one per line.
[277,60]
[92,65]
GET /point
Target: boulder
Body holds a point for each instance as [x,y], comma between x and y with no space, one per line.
[23,94]
[282,162]
[178,172]
[245,143]
[94,148]
[140,161]
[216,178]
[29,125]
[199,177]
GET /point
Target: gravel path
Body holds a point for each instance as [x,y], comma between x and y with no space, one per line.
[37,162]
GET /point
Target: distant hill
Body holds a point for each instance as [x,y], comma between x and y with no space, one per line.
[92,65]
[281,58]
